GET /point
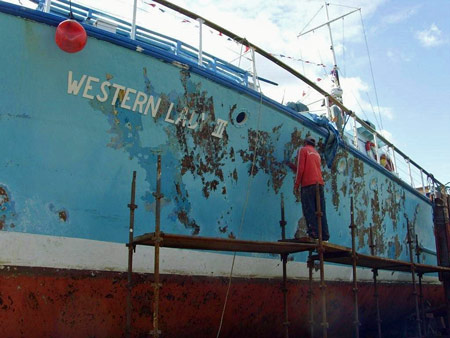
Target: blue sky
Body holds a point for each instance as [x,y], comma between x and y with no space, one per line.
[409,48]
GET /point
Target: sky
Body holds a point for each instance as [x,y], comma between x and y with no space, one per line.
[393,57]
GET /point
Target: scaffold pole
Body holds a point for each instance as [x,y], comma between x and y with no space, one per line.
[354,263]
[310,293]
[413,276]
[158,239]
[131,248]
[284,259]
[372,246]
[320,250]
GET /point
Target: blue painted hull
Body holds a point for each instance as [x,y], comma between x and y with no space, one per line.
[75,126]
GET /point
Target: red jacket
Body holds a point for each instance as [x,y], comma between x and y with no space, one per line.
[308,167]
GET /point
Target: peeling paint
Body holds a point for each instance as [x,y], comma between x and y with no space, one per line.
[62,215]
[184,219]
[7,209]
[302,228]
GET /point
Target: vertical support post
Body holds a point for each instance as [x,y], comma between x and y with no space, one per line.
[310,294]
[320,249]
[284,259]
[375,141]
[394,161]
[431,185]
[131,248]
[47,6]
[355,133]
[354,260]
[422,310]
[327,103]
[255,86]
[158,240]
[413,276]
[375,285]
[423,182]
[331,37]
[200,41]
[133,23]
[410,173]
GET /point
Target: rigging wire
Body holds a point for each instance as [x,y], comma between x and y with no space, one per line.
[244,209]
[373,110]
[343,46]
[371,70]
[309,21]
[360,107]
[337,5]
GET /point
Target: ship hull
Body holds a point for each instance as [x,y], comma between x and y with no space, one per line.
[74,127]
[43,302]
[69,287]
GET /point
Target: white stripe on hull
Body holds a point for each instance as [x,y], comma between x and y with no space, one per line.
[29,250]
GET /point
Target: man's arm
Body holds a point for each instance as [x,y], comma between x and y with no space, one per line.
[301,160]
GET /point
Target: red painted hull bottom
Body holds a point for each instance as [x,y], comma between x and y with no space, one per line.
[37,302]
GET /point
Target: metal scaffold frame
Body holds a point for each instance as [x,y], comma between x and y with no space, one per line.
[325,252]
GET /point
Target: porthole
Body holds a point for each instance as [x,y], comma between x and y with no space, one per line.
[241,117]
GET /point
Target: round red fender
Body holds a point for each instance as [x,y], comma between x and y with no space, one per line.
[70,36]
[370,150]
[369,145]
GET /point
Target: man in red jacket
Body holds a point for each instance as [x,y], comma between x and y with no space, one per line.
[309,173]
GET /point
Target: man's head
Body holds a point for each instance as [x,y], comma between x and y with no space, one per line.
[310,140]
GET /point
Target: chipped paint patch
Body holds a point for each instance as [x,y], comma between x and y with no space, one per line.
[61,213]
[7,209]
[187,222]
[395,248]
[301,228]
[261,156]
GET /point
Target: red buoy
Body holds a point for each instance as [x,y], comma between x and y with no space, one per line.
[70,36]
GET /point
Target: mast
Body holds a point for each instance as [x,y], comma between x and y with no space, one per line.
[334,72]
[336,92]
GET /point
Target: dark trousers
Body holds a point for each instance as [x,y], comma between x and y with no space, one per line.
[308,195]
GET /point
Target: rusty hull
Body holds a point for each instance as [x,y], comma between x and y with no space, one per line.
[68,303]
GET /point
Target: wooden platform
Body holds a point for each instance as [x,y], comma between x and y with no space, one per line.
[223,244]
[332,253]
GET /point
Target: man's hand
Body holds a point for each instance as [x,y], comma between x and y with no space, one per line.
[296,194]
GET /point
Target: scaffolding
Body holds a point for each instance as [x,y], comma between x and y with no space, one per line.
[319,250]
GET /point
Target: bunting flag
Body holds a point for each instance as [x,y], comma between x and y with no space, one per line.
[300,60]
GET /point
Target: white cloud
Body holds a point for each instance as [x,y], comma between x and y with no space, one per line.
[401,15]
[431,37]
[398,56]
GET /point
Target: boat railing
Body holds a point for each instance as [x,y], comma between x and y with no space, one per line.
[401,165]
[391,158]
[121,27]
